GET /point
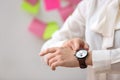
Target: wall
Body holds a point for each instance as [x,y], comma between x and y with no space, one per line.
[19,49]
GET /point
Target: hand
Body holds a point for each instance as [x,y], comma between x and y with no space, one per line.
[76,44]
[60,56]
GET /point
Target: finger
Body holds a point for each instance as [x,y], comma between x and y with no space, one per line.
[49,50]
[51,56]
[55,64]
[86,46]
[69,44]
[76,46]
[82,44]
[51,61]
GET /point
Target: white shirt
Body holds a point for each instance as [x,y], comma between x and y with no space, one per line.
[106,63]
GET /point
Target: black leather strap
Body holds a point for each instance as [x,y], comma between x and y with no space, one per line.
[82,63]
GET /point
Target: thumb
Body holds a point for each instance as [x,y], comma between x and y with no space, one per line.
[76,46]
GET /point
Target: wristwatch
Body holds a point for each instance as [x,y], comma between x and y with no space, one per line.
[81,56]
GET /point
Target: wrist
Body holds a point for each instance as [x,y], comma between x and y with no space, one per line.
[88,60]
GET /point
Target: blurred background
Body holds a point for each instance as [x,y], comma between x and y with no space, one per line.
[19,47]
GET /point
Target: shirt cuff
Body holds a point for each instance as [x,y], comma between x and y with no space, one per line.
[101,60]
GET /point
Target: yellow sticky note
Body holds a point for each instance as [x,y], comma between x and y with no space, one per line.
[50,29]
[30,8]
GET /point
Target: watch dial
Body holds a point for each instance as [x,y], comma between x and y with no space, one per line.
[81,54]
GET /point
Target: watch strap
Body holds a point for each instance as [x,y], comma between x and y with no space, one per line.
[82,63]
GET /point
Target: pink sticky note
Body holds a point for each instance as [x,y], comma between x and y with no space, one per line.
[52,4]
[74,2]
[66,12]
[37,27]
[32,2]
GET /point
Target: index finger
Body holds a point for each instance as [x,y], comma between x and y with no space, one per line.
[78,45]
[49,50]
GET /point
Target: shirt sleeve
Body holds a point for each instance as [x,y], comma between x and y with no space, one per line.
[107,61]
[73,27]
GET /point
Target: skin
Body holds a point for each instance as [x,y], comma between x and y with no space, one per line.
[76,44]
[64,56]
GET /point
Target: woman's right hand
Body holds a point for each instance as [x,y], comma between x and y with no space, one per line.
[76,44]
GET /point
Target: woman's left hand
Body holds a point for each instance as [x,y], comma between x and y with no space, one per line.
[60,56]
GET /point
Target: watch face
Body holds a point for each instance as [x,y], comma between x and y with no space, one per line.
[81,54]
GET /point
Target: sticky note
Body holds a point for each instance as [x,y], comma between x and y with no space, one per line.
[32,2]
[74,2]
[31,9]
[52,4]
[65,12]
[37,27]
[50,29]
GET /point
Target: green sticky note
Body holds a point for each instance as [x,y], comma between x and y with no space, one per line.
[50,29]
[30,8]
